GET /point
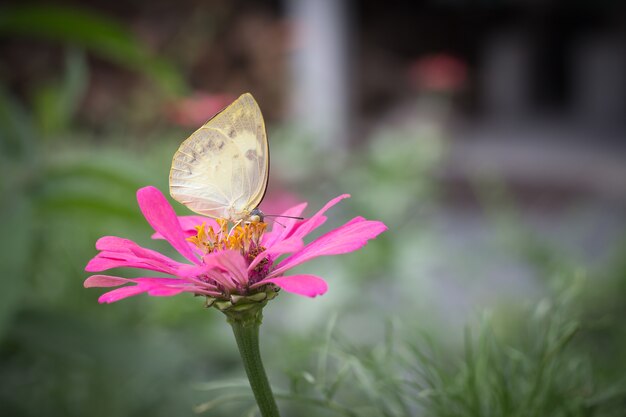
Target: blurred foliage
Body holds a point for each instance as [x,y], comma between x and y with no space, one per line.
[59,353]
[55,104]
[62,354]
[69,353]
[91,32]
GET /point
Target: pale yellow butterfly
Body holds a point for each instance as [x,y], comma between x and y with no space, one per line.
[221,170]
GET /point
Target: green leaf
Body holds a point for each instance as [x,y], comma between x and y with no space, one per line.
[100,35]
[55,104]
[16,132]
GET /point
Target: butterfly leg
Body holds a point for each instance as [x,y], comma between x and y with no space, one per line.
[235,226]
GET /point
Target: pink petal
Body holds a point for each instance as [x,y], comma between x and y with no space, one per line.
[104,281]
[121,293]
[161,216]
[159,287]
[119,245]
[347,238]
[165,291]
[212,268]
[102,263]
[112,281]
[189,223]
[285,246]
[307,226]
[232,262]
[280,231]
[107,260]
[117,252]
[307,285]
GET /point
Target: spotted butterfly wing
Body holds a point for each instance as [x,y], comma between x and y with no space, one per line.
[221,170]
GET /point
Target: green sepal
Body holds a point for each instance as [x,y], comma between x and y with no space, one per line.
[244,307]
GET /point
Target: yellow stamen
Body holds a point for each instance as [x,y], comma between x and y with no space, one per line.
[244,237]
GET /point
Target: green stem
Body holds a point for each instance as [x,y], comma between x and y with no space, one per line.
[246,330]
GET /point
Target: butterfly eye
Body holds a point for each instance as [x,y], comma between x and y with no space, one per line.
[256,216]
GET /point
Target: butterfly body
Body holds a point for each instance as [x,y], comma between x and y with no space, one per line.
[222,169]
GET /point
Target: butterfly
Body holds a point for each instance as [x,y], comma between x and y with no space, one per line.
[222,169]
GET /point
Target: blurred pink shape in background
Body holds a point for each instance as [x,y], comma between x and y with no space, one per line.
[197,109]
[438,72]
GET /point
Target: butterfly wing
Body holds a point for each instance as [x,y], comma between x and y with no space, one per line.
[221,170]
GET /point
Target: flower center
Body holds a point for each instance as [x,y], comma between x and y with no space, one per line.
[244,237]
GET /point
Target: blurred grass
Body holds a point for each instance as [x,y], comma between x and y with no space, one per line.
[535,368]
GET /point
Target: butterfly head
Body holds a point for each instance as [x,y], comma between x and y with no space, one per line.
[256,216]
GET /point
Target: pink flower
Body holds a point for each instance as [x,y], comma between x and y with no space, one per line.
[223,264]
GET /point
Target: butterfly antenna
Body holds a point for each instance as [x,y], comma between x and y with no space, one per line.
[279,223]
[286,217]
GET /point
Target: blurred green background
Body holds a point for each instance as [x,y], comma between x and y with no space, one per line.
[498,289]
